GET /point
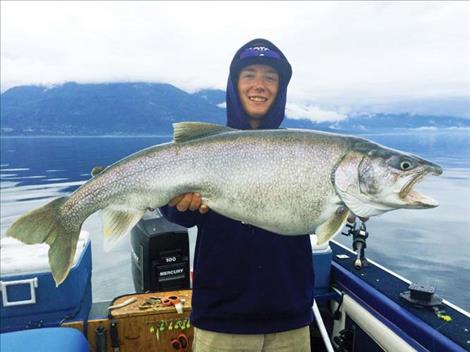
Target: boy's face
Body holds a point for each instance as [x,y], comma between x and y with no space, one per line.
[257,88]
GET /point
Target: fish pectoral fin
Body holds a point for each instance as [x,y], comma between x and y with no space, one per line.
[117,222]
[186,131]
[332,226]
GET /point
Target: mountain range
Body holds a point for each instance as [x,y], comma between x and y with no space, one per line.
[150,109]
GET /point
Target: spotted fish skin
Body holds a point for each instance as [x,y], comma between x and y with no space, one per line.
[284,181]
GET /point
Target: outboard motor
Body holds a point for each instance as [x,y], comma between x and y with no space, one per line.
[160,255]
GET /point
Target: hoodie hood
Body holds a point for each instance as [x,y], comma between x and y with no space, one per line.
[257,51]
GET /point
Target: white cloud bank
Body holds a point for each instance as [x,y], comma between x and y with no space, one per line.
[312,113]
[342,53]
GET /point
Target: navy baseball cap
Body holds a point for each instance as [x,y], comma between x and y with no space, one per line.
[263,52]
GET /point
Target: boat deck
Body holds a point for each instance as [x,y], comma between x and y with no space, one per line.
[421,327]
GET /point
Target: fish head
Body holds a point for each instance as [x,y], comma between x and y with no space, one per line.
[372,179]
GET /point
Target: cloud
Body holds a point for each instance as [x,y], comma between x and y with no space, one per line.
[343,53]
[313,113]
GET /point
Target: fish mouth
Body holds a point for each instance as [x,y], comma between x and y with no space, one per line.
[417,200]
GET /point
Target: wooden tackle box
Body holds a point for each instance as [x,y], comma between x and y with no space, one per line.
[142,330]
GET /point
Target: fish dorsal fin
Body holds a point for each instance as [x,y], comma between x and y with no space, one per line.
[186,131]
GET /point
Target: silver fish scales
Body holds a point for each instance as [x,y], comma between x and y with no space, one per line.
[290,182]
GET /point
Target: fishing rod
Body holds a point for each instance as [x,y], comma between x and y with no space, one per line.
[360,235]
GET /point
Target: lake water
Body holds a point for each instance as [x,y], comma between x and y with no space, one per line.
[426,246]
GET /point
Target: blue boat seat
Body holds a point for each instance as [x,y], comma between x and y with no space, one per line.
[44,340]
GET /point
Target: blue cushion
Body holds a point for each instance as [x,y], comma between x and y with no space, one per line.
[44,340]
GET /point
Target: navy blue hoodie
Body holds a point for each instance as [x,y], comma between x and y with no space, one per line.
[248,280]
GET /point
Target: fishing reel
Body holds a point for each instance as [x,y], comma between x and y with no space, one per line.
[359,235]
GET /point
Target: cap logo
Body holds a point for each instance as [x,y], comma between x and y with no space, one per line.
[259,51]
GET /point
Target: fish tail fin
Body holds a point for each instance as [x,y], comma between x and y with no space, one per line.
[44,225]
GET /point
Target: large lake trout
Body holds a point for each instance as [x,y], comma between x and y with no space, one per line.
[289,182]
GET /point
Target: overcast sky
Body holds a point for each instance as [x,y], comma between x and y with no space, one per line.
[341,52]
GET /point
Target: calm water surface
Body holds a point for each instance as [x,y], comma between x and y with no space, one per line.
[426,246]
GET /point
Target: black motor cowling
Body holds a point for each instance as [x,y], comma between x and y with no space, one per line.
[160,255]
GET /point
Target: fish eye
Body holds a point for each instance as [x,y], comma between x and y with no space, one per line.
[405,165]
[401,162]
